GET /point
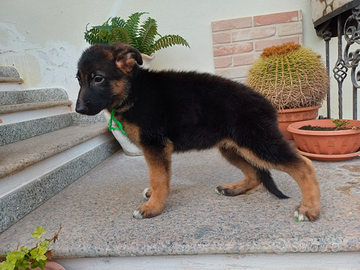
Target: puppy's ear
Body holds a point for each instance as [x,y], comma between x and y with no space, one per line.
[126,57]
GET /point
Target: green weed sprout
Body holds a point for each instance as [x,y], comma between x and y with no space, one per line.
[340,124]
[25,258]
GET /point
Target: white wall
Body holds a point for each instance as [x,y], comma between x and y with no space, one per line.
[44,38]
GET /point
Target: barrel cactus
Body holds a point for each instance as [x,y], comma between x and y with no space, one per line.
[290,76]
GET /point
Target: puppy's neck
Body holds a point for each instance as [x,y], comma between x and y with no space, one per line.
[123,107]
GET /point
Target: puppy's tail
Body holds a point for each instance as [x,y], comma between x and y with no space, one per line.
[265,177]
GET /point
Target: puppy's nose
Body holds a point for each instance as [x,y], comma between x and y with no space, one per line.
[81,107]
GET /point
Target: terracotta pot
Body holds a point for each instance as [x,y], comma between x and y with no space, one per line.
[327,145]
[51,266]
[289,116]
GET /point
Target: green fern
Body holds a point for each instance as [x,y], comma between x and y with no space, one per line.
[147,34]
[118,22]
[121,35]
[168,41]
[132,25]
[142,37]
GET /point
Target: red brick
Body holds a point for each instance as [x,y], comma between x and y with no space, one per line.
[262,44]
[239,23]
[234,48]
[254,33]
[289,29]
[232,73]
[219,38]
[223,62]
[284,17]
[244,59]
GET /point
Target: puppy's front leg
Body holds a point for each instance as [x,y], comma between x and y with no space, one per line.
[159,164]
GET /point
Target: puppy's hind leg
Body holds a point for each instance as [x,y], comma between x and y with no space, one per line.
[253,176]
[304,174]
[286,159]
[241,187]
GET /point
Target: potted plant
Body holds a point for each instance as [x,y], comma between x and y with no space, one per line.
[145,38]
[294,79]
[327,139]
[34,258]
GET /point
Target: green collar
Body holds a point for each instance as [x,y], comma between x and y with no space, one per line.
[110,124]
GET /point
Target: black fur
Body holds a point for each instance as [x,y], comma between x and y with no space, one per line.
[265,177]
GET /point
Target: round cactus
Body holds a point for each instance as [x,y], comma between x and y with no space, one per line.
[290,76]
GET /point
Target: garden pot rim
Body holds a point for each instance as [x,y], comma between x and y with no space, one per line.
[147,57]
[326,157]
[299,109]
[294,128]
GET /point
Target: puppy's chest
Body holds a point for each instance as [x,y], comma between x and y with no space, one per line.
[132,130]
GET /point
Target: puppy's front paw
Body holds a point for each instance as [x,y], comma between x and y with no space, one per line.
[299,217]
[227,191]
[146,210]
[137,214]
[303,213]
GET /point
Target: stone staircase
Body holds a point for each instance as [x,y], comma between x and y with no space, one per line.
[44,146]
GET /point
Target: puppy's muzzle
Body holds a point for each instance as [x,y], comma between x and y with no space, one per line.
[83,107]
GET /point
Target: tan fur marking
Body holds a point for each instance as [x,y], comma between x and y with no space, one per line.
[248,183]
[303,172]
[132,131]
[126,64]
[119,92]
[109,55]
[159,176]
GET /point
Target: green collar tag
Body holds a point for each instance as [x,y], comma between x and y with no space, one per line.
[110,124]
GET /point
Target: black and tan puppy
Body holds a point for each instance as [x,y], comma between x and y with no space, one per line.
[166,112]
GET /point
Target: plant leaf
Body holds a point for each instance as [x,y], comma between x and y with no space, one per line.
[23,264]
[39,232]
[132,26]
[44,244]
[7,266]
[168,41]
[117,22]
[147,34]
[38,253]
[120,34]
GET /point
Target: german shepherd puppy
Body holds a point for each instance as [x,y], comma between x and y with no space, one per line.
[167,111]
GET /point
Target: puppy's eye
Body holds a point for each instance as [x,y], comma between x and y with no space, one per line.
[98,79]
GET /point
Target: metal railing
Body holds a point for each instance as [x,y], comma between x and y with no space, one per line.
[343,23]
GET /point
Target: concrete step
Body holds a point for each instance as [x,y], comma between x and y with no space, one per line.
[29,100]
[19,155]
[44,146]
[96,215]
[9,74]
[29,113]
[36,124]
[24,107]
[41,156]
[26,190]
[32,96]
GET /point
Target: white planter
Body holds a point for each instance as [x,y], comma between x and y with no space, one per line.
[129,148]
[147,60]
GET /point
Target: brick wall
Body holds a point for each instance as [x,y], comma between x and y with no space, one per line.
[238,42]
